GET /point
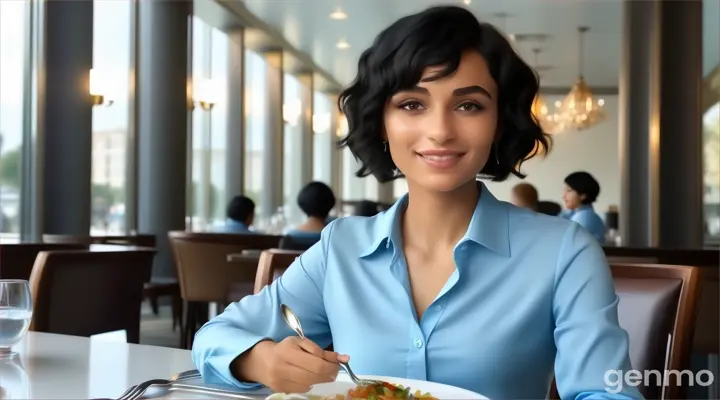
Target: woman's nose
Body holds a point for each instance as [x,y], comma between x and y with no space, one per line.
[440,127]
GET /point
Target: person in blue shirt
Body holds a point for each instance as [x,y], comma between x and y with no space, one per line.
[316,200]
[240,215]
[581,191]
[450,284]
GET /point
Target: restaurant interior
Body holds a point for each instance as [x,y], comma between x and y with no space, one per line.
[128,128]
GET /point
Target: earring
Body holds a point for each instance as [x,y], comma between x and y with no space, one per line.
[497,159]
[385,147]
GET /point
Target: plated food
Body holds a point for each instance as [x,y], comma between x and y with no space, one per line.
[382,391]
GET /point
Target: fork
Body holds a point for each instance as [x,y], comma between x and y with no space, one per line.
[191,374]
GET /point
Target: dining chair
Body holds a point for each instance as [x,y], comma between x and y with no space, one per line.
[205,275]
[658,308]
[273,263]
[83,293]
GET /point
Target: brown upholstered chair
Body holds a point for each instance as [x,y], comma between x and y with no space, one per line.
[657,303]
[17,259]
[272,265]
[84,293]
[205,275]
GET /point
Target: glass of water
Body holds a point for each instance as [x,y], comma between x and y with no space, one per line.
[15,314]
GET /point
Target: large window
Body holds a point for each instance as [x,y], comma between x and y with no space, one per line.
[711,119]
[323,138]
[209,128]
[711,171]
[255,126]
[13,42]
[292,147]
[111,120]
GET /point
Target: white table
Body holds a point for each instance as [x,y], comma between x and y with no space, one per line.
[68,367]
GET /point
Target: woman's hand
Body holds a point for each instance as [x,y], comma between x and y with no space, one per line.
[290,366]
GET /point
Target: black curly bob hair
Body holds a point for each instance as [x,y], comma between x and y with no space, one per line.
[437,37]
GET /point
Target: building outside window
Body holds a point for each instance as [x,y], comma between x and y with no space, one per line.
[111,120]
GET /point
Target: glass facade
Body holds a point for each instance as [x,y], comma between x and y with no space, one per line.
[292,147]
[110,77]
[209,126]
[13,43]
[255,127]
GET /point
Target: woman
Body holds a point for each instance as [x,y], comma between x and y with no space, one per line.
[316,200]
[581,191]
[449,285]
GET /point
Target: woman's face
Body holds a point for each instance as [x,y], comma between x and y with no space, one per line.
[572,199]
[440,133]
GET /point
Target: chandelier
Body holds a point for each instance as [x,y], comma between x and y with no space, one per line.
[548,121]
[579,110]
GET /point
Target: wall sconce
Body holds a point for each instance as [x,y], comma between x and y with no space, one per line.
[205,93]
[342,128]
[292,111]
[321,122]
[99,90]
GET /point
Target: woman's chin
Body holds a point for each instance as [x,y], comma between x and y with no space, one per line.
[444,184]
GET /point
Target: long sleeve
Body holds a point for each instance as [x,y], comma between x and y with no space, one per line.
[255,318]
[590,342]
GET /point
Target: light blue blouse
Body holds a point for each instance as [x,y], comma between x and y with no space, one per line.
[588,219]
[530,294]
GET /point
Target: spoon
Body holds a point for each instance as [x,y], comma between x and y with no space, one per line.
[294,323]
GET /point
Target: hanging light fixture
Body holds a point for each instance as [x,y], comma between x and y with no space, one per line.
[548,121]
[579,110]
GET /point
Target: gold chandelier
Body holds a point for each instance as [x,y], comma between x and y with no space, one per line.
[548,121]
[579,110]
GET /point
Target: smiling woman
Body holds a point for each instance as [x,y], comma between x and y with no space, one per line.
[449,285]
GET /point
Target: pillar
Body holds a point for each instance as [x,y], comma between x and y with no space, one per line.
[162,124]
[271,198]
[306,124]
[236,110]
[67,126]
[660,124]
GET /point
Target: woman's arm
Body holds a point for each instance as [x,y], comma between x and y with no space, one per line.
[590,343]
[256,318]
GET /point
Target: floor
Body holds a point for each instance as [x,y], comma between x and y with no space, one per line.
[156,330]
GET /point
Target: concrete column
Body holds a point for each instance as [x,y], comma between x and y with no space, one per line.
[163,114]
[306,128]
[660,124]
[236,110]
[272,195]
[67,126]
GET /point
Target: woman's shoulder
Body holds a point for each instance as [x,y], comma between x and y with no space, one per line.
[551,234]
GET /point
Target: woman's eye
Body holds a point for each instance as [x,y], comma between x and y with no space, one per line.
[469,107]
[411,106]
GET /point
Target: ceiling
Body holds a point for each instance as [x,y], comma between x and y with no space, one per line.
[306,25]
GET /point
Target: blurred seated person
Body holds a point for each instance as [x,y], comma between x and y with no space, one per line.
[316,200]
[240,215]
[581,191]
[366,208]
[524,195]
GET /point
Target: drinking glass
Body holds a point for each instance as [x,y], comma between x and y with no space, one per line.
[15,314]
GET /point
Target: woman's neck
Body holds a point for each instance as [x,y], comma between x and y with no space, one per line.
[438,219]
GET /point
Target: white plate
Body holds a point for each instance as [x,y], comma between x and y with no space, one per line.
[343,384]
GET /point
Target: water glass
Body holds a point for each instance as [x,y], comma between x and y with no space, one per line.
[15,314]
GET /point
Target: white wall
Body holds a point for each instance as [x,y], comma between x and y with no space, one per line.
[594,150]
